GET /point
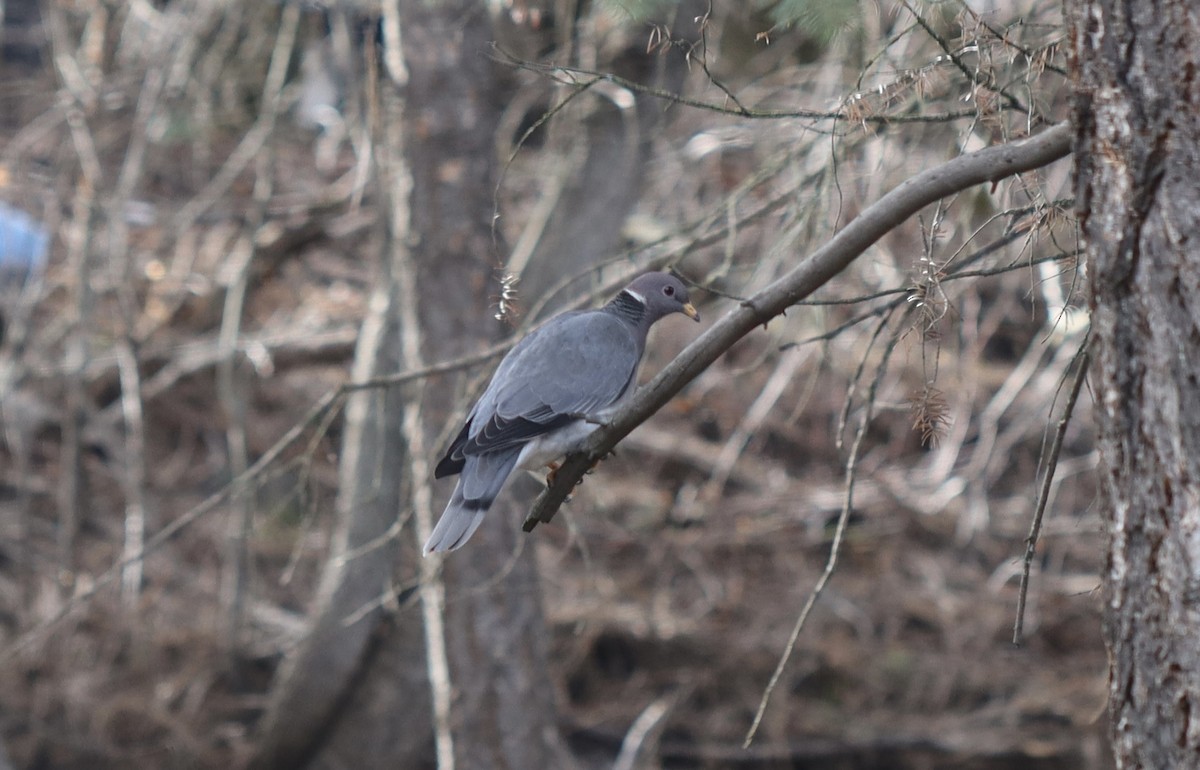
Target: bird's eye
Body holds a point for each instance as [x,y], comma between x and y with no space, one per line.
[669,291]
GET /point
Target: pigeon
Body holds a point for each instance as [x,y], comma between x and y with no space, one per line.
[548,394]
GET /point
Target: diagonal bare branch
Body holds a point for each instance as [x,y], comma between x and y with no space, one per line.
[988,165]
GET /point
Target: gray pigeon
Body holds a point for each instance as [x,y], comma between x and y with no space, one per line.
[547,395]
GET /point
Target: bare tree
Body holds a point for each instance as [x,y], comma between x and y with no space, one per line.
[1137,122]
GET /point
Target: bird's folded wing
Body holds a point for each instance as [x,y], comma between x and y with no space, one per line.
[575,366]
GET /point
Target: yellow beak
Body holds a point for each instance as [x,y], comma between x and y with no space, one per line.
[690,310]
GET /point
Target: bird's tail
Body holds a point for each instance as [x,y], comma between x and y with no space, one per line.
[459,521]
[482,479]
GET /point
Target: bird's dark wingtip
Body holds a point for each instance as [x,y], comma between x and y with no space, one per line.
[449,466]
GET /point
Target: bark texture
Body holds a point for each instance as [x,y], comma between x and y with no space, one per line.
[1137,116]
[502,715]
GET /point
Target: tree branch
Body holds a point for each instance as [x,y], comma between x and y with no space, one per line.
[582,79]
[988,165]
[1035,526]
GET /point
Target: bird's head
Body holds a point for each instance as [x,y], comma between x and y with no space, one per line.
[662,294]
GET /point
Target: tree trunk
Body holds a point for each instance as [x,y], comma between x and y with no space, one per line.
[503,714]
[1137,163]
[357,693]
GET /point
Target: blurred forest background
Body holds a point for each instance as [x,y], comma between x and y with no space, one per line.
[215,214]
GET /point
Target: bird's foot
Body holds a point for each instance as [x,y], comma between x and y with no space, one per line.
[552,476]
[595,465]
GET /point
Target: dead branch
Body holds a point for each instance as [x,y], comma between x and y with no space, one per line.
[134,479]
[976,76]
[582,79]
[1052,455]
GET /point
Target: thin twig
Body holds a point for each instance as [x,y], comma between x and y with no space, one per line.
[79,246]
[236,567]
[834,547]
[735,446]
[77,351]
[544,118]
[583,78]
[901,293]
[907,290]
[1002,35]
[123,269]
[135,472]
[235,574]
[856,378]
[975,76]
[703,22]
[647,724]
[1080,362]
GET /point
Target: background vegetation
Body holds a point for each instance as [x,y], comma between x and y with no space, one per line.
[222,207]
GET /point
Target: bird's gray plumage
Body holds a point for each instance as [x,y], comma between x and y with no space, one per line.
[536,408]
